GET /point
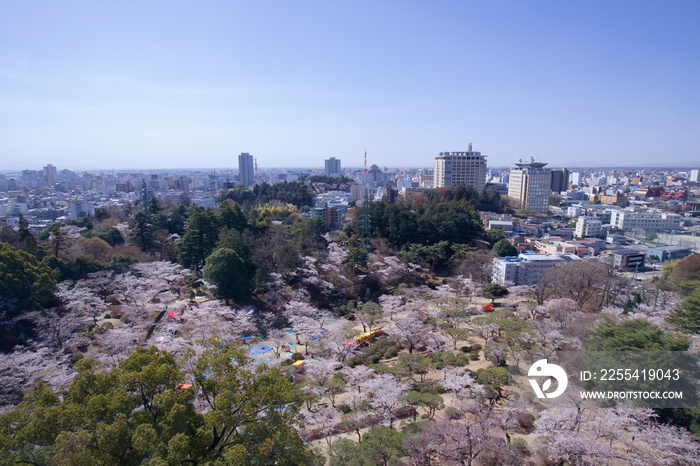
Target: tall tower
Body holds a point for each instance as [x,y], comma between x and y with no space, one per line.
[455,168]
[366,235]
[246,173]
[530,185]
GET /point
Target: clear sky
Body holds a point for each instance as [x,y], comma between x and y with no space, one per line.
[167,84]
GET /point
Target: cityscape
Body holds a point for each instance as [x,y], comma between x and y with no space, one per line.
[349,234]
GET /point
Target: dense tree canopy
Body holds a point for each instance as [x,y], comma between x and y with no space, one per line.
[454,221]
[634,335]
[136,414]
[25,282]
[295,193]
[225,269]
[687,314]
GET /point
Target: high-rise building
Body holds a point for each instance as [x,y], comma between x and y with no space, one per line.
[246,174]
[332,167]
[694,176]
[530,186]
[455,168]
[575,178]
[49,174]
[560,180]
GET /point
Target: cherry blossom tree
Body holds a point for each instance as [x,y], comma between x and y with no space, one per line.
[484,330]
[356,376]
[116,345]
[339,343]
[581,435]
[460,383]
[81,301]
[410,331]
[463,440]
[322,423]
[384,395]
[278,340]
[435,342]
[562,311]
[392,305]
[319,371]
[53,325]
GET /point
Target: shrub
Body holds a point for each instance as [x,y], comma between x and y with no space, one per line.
[297,357]
[391,352]
[466,349]
[76,356]
[345,409]
[104,327]
[425,387]
[107,316]
[474,356]
[453,413]
[461,360]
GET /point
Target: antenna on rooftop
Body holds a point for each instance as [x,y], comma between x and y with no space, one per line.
[470,147]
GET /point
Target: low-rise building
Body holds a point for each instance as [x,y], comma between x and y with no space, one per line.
[667,253]
[628,258]
[650,221]
[588,226]
[505,225]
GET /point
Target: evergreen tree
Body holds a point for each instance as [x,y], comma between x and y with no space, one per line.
[225,269]
[25,283]
[199,241]
[687,315]
[142,232]
[503,248]
[26,239]
[494,291]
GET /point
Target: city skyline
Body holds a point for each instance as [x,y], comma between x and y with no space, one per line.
[171,85]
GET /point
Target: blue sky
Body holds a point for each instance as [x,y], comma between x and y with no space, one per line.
[167,84]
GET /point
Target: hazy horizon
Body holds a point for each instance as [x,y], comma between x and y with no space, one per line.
[176,84]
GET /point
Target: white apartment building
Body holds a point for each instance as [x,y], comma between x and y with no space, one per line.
[75,208]
[455,168]
[574,211]
[505,271]
[651,221]
[588,226]
[529,186]
[527,269]
[533,267]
